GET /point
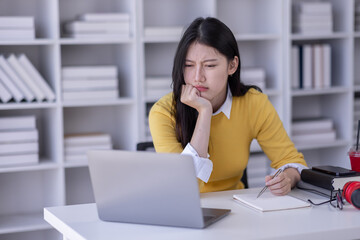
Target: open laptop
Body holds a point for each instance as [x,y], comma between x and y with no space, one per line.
[148,188]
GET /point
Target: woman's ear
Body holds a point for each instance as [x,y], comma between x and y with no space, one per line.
[233,65]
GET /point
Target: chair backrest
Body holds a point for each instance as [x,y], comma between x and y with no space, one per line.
[149,146]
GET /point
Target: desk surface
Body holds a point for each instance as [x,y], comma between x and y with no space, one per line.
[320,222]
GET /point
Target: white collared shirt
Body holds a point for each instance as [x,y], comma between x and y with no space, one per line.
[204,166]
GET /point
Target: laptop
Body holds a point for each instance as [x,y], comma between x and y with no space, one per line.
[148,188]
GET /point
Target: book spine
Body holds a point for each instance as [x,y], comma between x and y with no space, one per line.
[105,17]
[19,136]
[13,61]
[163,31]
[78,85]
[15,92]
[86,95]
[29,96]
[89,72]
[327,64]
[35,75]
[97,27]
[10,34]
[295,84]
[17,123]
[16,22]
[5,95]
[19,148]
[19,159]
[307,64]
[317,179]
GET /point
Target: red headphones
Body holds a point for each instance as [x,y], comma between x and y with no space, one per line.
[351,192]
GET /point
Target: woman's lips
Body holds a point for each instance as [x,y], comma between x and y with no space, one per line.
[201,89]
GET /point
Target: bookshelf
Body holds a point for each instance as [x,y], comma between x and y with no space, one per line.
[263,32]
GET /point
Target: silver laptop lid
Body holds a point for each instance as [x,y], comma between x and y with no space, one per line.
[145,187]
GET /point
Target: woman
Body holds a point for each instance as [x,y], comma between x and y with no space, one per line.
[214,117]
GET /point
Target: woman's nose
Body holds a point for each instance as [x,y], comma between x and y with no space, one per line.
[199,74]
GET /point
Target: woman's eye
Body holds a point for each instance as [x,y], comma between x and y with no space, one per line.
[210,66]
[188,65]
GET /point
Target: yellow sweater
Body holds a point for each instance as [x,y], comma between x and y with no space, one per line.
[252,117]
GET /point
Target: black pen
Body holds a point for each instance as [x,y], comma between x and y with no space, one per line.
[264,189]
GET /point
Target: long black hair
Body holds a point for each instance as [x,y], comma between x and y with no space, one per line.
[213,33]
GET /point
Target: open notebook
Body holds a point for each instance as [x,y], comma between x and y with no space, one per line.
[269,202]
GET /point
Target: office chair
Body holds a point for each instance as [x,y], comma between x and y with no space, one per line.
[149,146]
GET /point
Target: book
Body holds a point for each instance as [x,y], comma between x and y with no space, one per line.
[17,123]
[36,77]
[14,91]
[252,73]
[269,202]
[18,148]
[307,19]
[29,96]
[105,17]
[18,34]
[316,137]
[311,125]
[307,66]
[97,35]
[89,72]
[18,68]
[93,84]
[75,158]
[18,22]
[313,7]
[19,159]
[315,189]
[19,136]
[86,139]
[327,64]
[76,150]
[163,31]
[92,94]
[158,82]
[5,95]
[295,84]
[318,71]
[97,27]
[326,181]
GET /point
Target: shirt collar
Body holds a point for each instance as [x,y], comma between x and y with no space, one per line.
[226,107]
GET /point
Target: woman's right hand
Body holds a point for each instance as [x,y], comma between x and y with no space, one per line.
[192,97]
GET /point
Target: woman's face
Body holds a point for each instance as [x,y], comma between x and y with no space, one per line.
[207,70]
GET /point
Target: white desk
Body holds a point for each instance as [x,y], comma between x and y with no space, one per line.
[321,222]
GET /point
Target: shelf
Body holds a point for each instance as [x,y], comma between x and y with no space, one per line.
[311,145]
[90,103]
[74,164]
[357,34]
[73,41]
[336,35]
[325,91]
[43,165]
[26,105]
[163,39]
[37,41]
[22,223]
[256,37]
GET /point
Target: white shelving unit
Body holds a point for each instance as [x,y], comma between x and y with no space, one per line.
[262,29]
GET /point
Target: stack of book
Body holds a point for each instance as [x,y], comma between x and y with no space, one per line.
[90,82]
[311,66]
[17,28]
[357,16]
[76,145]
[99,25]
[156,87]
[174,31]
[312,17]
[20,80]
[313,130]
[253,76]
[257,169]
[18,141]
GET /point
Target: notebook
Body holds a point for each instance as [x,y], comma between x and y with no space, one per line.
[269,202]
[148,188]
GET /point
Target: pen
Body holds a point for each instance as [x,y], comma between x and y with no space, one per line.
[274,176]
